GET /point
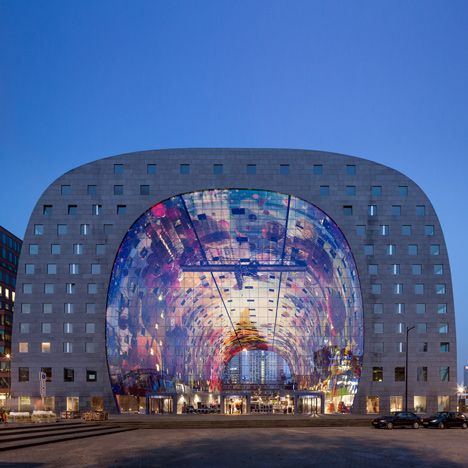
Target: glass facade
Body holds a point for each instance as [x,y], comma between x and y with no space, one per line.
[201,277]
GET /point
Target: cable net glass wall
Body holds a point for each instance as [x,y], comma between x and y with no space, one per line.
[202,276]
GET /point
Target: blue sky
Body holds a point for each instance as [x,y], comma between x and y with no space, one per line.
[387,81]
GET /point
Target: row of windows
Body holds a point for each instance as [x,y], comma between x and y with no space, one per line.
[251,169]
[396,403]
[68,374]
[70,288]
[421,327]
[69,308]
[46,327]
[400,347]
[7,293]
[395,269]
[96,210]
[372,210]
[46,347]
[399,374]
[85,229]
[418,289]
[384,230]
[73,268]
[411,249]
[77,249]
[400,308]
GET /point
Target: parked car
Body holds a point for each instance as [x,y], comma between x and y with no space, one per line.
[398,419]
[445,419]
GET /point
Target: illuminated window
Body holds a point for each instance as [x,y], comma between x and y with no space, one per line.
[372,404]
[396,403]
[377,374]
[419,404]
[91,375]
[45,347]
[443,403]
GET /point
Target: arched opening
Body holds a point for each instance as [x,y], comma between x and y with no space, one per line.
[206,276]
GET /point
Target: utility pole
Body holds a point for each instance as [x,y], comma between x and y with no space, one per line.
[408,329]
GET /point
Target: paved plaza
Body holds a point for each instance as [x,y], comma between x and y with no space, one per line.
[269,447]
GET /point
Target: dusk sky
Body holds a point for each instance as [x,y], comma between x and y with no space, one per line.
[386,81]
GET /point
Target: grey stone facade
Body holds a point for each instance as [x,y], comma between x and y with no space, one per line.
[382,348]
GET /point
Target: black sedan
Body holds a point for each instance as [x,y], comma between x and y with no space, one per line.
[398,419]
[445,419]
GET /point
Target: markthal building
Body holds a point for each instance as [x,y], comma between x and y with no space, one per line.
[234,281]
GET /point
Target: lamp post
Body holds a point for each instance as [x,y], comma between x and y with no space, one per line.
[408,329]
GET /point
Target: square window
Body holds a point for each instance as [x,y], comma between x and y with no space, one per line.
[406,230]
[48,373]
[47,210]
[377,374]
[118,169]
[27,288]
[401,328]
[395,269]
[399,374]
[398,288]
[396,210]
[416,269]
[95,269]
[68,375]
[69,308]
[401,347]
[378,347]
[420,210]
[70,288]
[67,347]
[68,327]
[72,210]
[372,269]
[372,210]
[118,189]
[48,288]
[435,249]
[107,228]
[92,288]
[121,209]
[251,169]
[90,308]
[403,190]
[151,169]
[422,347]
[23,347]
[441,308]
[419,404]
[391,249]
[33,249]
[396,403]
[378,327]
[429,230]
[78,249]
[90,348]
[91,375]
[46,327]
[443,328]
[350,190]
[421,327]
[284,169]
[92,190]
[90,328]
[368,249]
[440,288]
[438,269]
[85,229]
[218,169]
[444,347]
[96,210]
[372,405]
[184,169]
[376,190]
[420,309]
[376,288]
[74,268]
[384,229]
[378,308]
[46,308]
[55,249]
[347,210]
[38,229]
[444,374]
[62,229]
[421,374]
[65,190]
[29,268]
[324,190]
[23,374]
[24,327]
[400,308]
[144,189]
[419,288]
[317,169]
[45,347]
[412,249]
[25,308]
[351,169]
[100,249]
[361,231]
[51,269]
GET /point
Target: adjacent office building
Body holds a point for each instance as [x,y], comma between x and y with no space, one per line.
[10,247]
[145,275]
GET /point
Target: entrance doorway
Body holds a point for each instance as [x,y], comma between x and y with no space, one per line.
[235,405]
[160,405]
[309,404]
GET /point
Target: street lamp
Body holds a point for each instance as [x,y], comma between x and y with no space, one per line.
[408,329]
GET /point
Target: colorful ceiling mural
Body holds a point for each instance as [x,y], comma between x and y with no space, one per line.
[202,276]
